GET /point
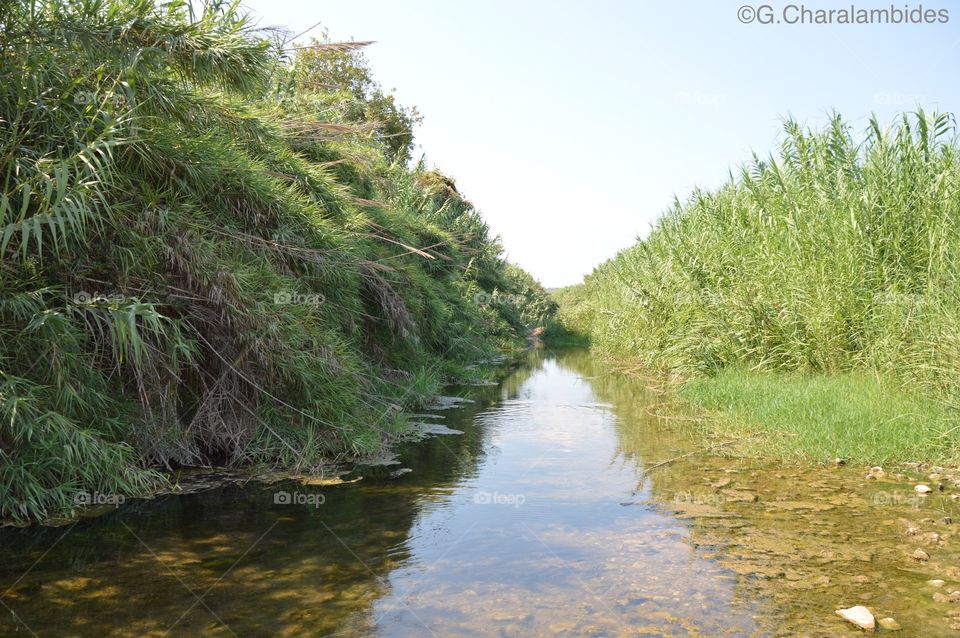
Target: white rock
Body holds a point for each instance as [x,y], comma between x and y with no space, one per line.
[859,616]
[922,489]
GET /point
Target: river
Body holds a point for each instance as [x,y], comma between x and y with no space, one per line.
[553,513]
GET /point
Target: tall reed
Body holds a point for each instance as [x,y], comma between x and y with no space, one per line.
[838,253]
[206,258]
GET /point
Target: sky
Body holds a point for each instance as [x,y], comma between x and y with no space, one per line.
[573,125]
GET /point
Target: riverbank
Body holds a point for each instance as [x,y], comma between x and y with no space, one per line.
[855,418]
[410,424]
[810,302]
[217,250]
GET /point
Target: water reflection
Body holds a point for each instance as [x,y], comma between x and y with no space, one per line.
[523,525]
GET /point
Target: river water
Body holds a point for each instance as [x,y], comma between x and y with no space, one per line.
[551,514]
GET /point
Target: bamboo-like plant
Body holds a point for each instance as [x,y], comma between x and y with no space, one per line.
[838,254]
[206,258]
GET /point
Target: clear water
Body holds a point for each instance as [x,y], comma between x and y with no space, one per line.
[533,522]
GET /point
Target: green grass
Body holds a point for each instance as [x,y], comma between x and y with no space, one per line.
[815,417]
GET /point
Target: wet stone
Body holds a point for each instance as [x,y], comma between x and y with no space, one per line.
[858,616]
[889,624]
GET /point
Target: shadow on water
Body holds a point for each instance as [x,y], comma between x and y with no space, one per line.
[529,523]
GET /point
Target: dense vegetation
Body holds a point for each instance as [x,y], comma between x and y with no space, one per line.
[214,249]
[838,256]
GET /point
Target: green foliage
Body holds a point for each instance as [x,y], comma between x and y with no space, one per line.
[570,323]
[837,255]
[345,73]
[203,261]
[850,416]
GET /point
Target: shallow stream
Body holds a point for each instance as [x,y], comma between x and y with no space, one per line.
[557,511]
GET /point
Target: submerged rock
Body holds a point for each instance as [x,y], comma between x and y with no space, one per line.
[447,403]
[889,624]
[423,429]
[859,616]
[931,538]
[922,489]
[434,429]
[382,458]
[920,555]
[876,473]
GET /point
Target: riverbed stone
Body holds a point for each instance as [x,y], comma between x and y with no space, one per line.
[922,489]
[920,555]
[889,624]
[858,616]
[931,538]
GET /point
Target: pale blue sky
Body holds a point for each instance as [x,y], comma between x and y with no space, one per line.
[573,124]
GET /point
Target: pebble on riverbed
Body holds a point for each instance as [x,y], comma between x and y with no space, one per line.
[922,489]
[859,616]
[889,624]
[952,597]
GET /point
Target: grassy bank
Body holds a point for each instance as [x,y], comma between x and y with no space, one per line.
[850,416]
[836,259]
[214,248]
